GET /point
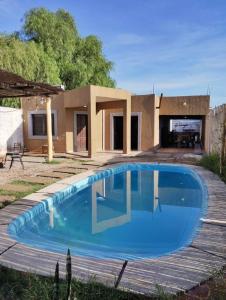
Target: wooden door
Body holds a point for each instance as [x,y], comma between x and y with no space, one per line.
[82,132]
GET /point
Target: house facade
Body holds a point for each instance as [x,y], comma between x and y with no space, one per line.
[97,119]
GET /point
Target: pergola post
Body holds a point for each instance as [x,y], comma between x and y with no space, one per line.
[127,126]
[92,127]
[49,129]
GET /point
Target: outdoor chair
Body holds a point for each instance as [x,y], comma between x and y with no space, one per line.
[16,154]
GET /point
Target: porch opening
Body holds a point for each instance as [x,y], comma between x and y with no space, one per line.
[182,131]
[118,133]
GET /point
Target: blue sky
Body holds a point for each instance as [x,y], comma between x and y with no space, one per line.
[179,46]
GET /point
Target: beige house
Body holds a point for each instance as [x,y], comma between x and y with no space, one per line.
[94,119]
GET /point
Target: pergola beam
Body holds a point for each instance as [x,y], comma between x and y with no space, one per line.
[13,86]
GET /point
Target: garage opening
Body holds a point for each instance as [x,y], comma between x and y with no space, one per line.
[182,131]
[118,132]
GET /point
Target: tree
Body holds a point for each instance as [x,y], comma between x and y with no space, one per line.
[49,49]
[80,60]
[27,59]
[55,31]
[88,65]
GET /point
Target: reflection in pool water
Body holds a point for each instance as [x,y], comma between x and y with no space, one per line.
[140,212]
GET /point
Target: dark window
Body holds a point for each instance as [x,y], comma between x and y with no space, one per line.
[39,124]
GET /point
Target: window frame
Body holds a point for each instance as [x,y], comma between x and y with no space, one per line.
[30,124]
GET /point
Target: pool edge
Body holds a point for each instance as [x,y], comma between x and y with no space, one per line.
[15,254]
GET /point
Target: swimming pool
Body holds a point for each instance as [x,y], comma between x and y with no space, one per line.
[130,211]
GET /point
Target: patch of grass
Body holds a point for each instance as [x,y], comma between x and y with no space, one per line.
[27,183]
[53,162]
[34,187]
[21,285]
[17,195]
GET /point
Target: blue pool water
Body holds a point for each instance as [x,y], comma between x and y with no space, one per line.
[131,211]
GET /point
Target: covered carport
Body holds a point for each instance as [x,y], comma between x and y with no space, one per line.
[182,121]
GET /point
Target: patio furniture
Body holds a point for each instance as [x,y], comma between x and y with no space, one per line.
[16,154]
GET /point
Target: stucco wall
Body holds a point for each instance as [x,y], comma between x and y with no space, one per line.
[185,105]
[34,144]
[109,101]
[143,104]
[156,122]
[146,105]
[11,127]
[99,130]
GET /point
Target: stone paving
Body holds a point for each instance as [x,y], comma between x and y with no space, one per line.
[33,165]
[17,182]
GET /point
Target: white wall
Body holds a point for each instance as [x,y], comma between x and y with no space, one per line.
[11,127]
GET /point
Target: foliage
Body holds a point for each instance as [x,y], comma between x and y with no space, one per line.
[213,163]
[162,295]
[56,286]
[88,65]
[60,37]
[80,60]
[29,60]
[68,274]
[49,49]
[18,195]
[21,285]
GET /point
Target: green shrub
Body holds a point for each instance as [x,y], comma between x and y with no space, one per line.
[15,285]
[211,162]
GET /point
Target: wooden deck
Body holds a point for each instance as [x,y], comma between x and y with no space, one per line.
[175,273]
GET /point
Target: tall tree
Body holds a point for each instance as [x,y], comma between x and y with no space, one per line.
[81,60]
[29,60]
[88,65]
[55,31]
[49,49]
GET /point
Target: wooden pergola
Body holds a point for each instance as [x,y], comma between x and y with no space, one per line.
[13,86]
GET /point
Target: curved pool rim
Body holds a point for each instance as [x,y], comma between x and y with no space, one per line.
[60,196]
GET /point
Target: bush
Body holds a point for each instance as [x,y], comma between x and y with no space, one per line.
[211,162]
[15,285]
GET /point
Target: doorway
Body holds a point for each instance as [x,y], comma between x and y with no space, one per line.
[81,131]
[117,131]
